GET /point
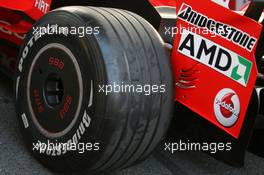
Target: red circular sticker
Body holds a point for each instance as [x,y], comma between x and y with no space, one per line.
[227,107]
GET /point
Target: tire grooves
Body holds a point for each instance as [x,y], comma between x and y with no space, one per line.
[121,157]
[157,125]
[105,165]
[100,165]
[131,156]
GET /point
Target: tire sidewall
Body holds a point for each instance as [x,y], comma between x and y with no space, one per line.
[87,68]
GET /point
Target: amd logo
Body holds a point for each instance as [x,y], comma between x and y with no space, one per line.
[216,57]
[42,6]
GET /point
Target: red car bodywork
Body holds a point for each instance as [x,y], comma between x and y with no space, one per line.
[163,3]
[195,98]
[15,24]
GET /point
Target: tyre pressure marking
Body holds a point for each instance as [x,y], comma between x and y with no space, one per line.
[66,107]
[37,98]
[25,120]
[56,62]
[227,107]
[32,114]
[91,95]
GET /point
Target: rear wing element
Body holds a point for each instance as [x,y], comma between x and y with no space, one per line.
[215,69]
[214,59]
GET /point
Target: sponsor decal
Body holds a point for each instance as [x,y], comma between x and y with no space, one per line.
[61,150]
[42,6]
[26,49]
[86,122]
[227,107]
[216,57]
[230,33]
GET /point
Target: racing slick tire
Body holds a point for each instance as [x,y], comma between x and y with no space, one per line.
[100,101]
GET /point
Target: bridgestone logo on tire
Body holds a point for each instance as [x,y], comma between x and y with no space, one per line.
[227,107]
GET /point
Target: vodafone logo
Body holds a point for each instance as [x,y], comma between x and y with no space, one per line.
[227,107]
